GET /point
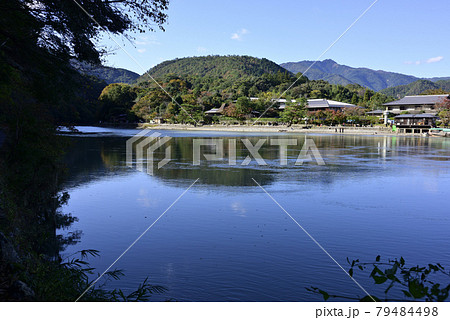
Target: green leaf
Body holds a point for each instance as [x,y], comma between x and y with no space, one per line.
[406,293]
[350,272]
[369,299]
[378,258]
[324,294]
[417,289]
[379,279]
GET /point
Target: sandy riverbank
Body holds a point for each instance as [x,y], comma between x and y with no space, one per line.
[291,129]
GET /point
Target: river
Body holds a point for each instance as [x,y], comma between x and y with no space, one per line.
[226,239]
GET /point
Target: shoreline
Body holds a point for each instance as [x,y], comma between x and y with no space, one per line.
[281,129]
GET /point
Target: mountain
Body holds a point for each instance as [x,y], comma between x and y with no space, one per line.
[108,74]
[416,88]
[227,67]
[438,79]
[336,73]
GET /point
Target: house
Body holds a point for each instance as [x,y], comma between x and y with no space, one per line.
[324,104]
[375,113]
[216,111]
[420,120]
[157,120]
[416,104]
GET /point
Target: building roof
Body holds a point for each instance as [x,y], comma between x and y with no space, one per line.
[213,110]
[418,115]
[326,104]
[376,112]
[418,100]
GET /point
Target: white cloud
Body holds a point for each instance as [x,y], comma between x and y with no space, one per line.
[144,41]
[201,49]
[435,59]
[430,60]
[235,36]
[142,50]
[238,35]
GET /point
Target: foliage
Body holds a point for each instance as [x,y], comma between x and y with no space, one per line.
[39,90]
[294,113]
[117,99]
[62,27]
[66,280]
[107,74]
[151,104]
[209,82]
[417,283]
[418,87]
[226,67]
[190,114]
[443,108]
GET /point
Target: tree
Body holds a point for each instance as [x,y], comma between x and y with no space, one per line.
[153,103]
[190,114]
[355,98]
[117,98]
[63,27]
[294,112]
[39,90]
[367,95]
[354,114]
[242,108]
[443,108]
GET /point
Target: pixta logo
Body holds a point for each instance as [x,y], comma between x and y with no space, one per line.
[146,145]
[151,143]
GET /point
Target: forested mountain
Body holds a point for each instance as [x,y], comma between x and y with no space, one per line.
[107,74]
[418,87]
[335,73]
[226,67]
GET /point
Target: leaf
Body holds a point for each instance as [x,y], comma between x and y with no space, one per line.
[369,299]
[417,289]
[350,272]
[378,258]
[406,293]
[324,294]
[379,279]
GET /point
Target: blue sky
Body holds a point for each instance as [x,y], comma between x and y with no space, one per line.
[405,36]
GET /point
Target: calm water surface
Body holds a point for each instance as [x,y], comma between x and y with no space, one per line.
[226,240]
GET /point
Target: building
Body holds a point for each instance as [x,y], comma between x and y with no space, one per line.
[375,113]
[318,104]
[324,104]
[418,121]
[216,111]
[416,104]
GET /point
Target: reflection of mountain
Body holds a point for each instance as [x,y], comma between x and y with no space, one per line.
[94,158]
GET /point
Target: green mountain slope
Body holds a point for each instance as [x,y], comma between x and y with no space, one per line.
[107,74]
[336,73]
[227,67]
[416,87]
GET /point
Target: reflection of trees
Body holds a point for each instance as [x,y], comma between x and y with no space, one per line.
[98,157]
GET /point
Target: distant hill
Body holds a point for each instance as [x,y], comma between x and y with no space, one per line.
[416,87]
[107,74]
[335,73]
[227,67]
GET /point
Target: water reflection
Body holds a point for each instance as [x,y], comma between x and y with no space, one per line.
[227,241]
[99,157]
